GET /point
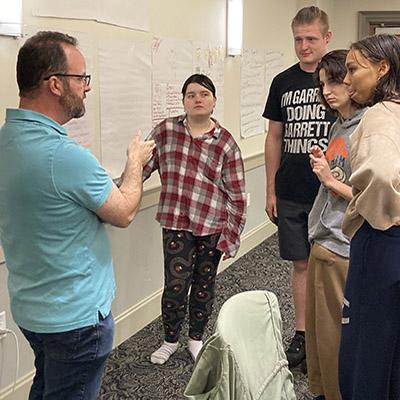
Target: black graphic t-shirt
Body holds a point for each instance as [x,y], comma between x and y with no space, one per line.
[293,100]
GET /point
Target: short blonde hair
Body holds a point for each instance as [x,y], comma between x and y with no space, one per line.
[309,15]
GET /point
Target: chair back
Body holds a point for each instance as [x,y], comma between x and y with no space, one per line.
[245,358]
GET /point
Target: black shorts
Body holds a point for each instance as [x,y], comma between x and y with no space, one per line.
[293,229]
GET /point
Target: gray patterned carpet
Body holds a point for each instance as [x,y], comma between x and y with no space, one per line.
[129,373]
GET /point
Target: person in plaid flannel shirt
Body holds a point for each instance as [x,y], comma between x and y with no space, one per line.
[202,210]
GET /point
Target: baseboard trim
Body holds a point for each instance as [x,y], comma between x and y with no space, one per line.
[137,317]
[141,314]
[22,388]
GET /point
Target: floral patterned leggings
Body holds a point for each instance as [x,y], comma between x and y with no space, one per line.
[189,261]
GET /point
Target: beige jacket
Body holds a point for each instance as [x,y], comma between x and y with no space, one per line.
[375,162]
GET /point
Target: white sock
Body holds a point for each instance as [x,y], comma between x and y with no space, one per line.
[194,347]
[161,355]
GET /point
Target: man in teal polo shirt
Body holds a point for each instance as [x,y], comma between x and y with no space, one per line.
[54,198]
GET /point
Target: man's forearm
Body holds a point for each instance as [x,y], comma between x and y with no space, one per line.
[131,186]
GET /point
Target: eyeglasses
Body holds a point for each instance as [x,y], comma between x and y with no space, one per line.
[84,78]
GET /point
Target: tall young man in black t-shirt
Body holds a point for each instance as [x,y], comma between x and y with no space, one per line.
[297,122]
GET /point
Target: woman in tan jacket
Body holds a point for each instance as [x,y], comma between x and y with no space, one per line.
[369,366]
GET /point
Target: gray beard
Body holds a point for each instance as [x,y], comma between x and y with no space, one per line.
[73,105]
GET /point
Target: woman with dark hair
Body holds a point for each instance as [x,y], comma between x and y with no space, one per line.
[329,256]
[369,366]
[201,210]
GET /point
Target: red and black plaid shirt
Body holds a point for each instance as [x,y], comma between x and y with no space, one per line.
[202,182]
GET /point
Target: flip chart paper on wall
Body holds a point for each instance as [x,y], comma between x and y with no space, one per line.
[174,61]
[125,98]
[130,14]
[166,101]
[77,9]
[273,66]
[252,93]
[257,71]
[209,60]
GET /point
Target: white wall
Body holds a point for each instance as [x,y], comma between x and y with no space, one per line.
[137,250]
[345,18]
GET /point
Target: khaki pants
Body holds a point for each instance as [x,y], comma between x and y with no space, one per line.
[326,277]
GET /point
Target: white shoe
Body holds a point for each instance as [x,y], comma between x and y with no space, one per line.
[194,347]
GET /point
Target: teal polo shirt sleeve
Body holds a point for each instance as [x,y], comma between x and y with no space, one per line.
[79,177]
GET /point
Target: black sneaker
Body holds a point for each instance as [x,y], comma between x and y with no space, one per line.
[296,353]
